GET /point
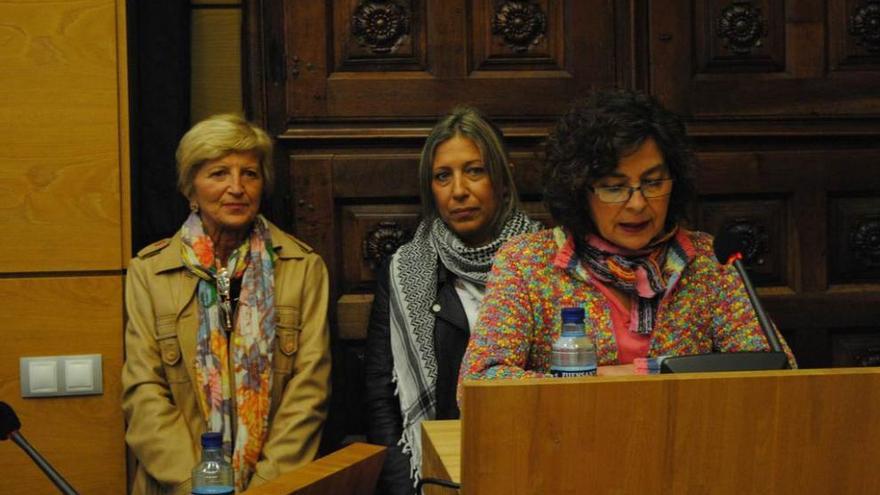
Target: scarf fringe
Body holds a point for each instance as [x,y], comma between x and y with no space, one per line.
[411,442]
[405,441]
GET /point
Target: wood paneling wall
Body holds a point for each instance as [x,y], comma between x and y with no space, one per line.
[64,183]
[780,98]
[216,58]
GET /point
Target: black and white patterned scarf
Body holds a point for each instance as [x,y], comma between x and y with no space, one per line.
[412,291]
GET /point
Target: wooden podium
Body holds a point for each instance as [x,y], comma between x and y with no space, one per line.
[352,470]
[762,432]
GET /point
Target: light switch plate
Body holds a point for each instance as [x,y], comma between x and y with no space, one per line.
[54,376]
[79,375]
[43,376]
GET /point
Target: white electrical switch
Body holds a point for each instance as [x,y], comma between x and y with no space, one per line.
[43,376]
[78,375]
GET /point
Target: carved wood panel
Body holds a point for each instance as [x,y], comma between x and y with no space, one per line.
[371,234]
[764,222]
[313,207]
[855,239]
[765,59]
[517,34]
[854,31]
[740,36]
[404,60]
[376,35]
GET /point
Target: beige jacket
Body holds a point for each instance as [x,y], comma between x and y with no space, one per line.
[162,412]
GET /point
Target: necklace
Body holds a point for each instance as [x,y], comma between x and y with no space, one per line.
[223,293]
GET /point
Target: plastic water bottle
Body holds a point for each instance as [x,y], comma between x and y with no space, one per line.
[212,476]
[573,352]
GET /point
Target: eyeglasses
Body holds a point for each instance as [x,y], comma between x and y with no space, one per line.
[621,194]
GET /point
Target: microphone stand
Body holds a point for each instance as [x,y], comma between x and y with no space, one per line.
[50,472]
[775,359]
[766,326]
[9,425]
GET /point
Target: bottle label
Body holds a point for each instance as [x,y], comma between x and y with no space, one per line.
[569,372]
[213,490]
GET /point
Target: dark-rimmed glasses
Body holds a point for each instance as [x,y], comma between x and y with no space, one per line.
[621,194]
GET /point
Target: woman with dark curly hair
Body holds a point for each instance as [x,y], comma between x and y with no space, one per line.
[618,180]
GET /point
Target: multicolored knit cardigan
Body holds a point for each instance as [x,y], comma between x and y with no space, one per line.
[534,277]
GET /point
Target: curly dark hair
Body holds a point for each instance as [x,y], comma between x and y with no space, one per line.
[591,138]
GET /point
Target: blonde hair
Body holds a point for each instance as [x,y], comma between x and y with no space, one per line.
[468,122]
[216,137]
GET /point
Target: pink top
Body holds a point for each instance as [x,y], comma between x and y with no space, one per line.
[630,345]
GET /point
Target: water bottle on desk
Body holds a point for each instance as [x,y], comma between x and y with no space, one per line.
[573,352]
[212,476]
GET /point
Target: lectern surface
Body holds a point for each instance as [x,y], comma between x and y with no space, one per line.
[770,432]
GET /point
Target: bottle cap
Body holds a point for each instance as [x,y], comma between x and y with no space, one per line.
[212,440]
[573,315]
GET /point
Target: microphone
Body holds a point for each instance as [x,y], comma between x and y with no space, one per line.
[9,426]
[728,247]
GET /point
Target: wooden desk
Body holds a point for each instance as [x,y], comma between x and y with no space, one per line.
[441,453]
[441,442]
[773,432]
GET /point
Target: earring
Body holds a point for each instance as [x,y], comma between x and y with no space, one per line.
[194,207]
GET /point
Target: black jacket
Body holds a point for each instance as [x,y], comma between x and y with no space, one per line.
[384,419]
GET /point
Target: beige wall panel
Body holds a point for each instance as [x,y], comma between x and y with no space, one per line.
[59,115]
[82,437]
[216,62]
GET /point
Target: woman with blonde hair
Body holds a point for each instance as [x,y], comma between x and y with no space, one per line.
[227,328]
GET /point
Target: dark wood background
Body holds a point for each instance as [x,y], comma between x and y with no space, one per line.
[781,98]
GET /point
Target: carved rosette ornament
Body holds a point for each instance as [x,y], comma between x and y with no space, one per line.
[383,241]
[380,25]
[755,240]
[865,242]
[865,24]
[742,26]
[521,23]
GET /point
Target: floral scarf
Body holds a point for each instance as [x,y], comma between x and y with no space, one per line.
[250,350]
[646,275]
